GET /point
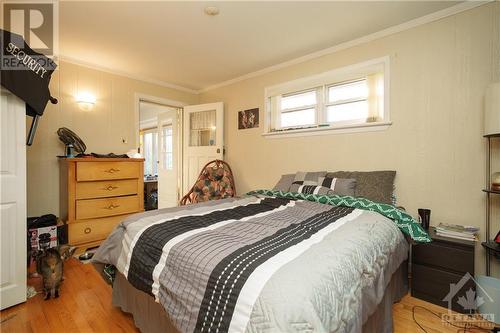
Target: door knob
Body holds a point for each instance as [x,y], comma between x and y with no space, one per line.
[218,150]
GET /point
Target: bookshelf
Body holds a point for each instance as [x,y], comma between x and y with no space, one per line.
[488,244]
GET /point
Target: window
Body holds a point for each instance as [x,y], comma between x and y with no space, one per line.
[350,97]
[298,109]
[167,148]
[149,149]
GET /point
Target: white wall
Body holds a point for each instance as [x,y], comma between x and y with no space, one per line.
[439,73]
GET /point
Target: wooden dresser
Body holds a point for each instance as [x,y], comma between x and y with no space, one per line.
[97,194]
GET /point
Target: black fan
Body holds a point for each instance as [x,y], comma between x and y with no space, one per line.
[68,137]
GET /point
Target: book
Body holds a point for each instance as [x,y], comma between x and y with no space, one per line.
[467,238]
[457,229]
[458,234]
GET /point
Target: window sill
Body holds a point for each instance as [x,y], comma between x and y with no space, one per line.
[366,127]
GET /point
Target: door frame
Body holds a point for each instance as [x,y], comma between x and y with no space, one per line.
[140,97]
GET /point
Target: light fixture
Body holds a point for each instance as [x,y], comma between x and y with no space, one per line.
[85,100]
[211,10]
[492,109]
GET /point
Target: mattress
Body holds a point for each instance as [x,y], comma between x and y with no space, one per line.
[260,263]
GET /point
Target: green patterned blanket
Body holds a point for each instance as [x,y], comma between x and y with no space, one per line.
[405,222]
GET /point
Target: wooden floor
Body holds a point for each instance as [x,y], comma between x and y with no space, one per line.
[85,306]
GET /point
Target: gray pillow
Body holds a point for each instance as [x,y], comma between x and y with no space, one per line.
[284,183]
[377,186]
[308,178]
[311,189]
[287,180]
[339,186]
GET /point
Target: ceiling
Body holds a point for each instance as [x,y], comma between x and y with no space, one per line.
[175,42]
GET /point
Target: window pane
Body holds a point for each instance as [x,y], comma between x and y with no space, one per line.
[348,111]
[167,147]
[342,92]
[202,128]
[298,118]
[298,100]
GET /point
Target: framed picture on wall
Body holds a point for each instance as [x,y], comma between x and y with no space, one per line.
[248,118]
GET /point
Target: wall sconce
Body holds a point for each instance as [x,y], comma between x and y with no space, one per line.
[85,101]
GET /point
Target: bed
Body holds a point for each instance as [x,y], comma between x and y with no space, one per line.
[270,261]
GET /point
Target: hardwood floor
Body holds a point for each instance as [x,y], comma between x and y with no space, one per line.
[85,306]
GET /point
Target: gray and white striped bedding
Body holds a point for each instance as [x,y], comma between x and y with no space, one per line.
[259,264]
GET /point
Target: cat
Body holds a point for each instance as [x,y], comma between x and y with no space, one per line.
[50,267]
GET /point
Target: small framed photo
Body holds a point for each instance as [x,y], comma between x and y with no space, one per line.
[248,118]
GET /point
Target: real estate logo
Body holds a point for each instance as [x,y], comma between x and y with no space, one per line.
[34,23]
[465,296]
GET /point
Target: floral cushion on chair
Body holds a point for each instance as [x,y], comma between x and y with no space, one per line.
[213,183]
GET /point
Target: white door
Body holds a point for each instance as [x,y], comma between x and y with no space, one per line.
[12,200]
[203,139]
[168,159]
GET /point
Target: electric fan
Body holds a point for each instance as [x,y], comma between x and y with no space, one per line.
[71,140]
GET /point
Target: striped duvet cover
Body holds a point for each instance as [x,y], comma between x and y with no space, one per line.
[261,263]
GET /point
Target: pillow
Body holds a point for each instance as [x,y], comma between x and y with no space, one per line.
[284,183]
[311,189]
[377,186]
[287,180]
[339,186]
[308,178]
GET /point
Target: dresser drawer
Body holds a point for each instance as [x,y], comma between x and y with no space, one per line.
[108,188]
[433,285]
[94,208]
[86,171]
[92,230]
[454,258]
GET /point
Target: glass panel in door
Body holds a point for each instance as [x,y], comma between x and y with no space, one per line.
[202,128]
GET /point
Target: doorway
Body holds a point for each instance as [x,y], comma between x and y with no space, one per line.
[159,145]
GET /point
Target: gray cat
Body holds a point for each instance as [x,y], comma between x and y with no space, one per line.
[50,267]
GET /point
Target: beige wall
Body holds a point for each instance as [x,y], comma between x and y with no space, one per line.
[102,129]
[439,72]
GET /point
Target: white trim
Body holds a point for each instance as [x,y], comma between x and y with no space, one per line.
[467,5]
[341,74]
[324,79]
[363,127]
[78,62]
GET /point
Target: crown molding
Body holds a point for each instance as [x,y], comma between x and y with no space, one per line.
[79,62]
[453,10]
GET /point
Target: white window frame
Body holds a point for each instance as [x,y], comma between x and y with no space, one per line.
[321,82]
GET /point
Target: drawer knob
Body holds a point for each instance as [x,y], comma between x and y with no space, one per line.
[112,206]
[112,170]
[87,230]
[111,188]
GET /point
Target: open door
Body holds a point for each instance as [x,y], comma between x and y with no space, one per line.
[168,159]
[203,139]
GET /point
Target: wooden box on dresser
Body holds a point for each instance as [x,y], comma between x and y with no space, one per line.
[97,194]
[438,264]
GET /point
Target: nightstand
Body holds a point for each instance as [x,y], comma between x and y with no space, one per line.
[438,264]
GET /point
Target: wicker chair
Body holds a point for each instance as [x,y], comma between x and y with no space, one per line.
[215,182]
